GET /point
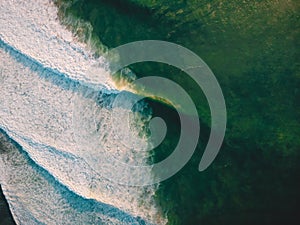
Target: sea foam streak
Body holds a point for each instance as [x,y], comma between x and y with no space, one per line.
[36,198]
[43,71]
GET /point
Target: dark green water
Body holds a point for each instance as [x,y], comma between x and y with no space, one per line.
[5,216]
[253,49]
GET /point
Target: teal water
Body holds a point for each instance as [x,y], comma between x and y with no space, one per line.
[252,48]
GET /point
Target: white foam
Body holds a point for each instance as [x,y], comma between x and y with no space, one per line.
[36,198]
[33,28]
[38,113]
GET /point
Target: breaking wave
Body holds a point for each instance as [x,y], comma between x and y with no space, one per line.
[51,178]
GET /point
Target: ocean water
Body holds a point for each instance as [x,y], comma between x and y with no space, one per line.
[5,215]
[58,114]
[56,108]
[251,46]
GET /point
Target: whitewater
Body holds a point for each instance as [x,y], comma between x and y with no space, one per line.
[49,173]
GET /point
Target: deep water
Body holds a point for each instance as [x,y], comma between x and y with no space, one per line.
[251,46]
[5,215]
